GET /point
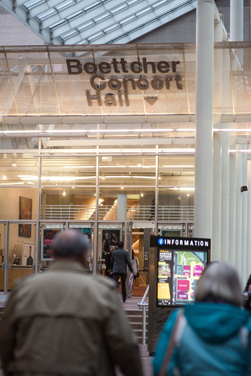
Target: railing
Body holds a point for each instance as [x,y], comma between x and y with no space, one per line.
[144,306]
[175,213]
[109,212]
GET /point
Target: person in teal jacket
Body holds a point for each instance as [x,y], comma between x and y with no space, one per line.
[213,336]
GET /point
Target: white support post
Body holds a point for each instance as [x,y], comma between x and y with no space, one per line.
[236,20]
[225,198]
[204,118]
[232,202]
[244,196]
[238,228]
[225,189]
[248,263]
[216,238]
[217,152]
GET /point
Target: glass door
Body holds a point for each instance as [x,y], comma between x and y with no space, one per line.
[108,234]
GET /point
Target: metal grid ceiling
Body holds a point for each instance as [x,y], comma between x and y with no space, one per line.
[95,21]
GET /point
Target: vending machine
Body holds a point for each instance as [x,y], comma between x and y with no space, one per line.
[176,265]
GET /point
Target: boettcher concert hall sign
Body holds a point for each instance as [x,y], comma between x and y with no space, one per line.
[113,82]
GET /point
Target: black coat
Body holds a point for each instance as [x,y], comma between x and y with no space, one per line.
[120,259]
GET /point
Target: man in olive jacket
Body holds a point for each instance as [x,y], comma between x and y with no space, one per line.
[66,322]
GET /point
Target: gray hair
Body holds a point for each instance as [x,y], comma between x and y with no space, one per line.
[70,244]
[221,281]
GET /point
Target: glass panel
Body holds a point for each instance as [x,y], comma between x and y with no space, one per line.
[68,204]
[130,170]
[18,170]
[68,172]
[127,204]
[18,203]
[176,171]
[22,251]
[141,244]
[172,230]
[190,230]
[108,234]
[176,204]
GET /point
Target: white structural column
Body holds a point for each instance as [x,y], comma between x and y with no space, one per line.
[232,202]
[204,119]
[217,148]
[217,168]
[244,198]
[238,228]
[225,198]
[226,88]
[248,263]
[122,208]
[122,215]
[236,20]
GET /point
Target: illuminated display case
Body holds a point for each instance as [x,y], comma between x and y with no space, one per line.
[176,265]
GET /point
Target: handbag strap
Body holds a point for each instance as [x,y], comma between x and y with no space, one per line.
[171,345]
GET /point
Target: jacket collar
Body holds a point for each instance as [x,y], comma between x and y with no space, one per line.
[68,265]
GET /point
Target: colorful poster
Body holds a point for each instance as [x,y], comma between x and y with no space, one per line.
[177,274]
[48,234]
[108,237]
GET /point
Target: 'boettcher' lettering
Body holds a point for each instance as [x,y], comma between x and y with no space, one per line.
[121,66]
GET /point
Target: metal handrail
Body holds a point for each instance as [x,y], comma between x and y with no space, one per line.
[109,212]
[144,307]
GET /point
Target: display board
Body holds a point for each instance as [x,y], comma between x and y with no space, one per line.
[28,253]
[176,264]
[180,262]
[178,273]
[48,234]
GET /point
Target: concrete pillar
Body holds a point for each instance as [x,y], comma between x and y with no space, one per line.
[238,228]
[225,198]
[216,235]
[122,208]
[248,263]
[217,149]
[236,20]
[244,197]
[204,119]
[232,202]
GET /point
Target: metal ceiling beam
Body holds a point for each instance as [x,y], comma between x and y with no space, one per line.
[113,119]
[134,18]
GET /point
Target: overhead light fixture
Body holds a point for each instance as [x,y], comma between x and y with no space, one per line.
[14,164]
[248,151]
[73,187]
[79,167]
[121,187]
[183,188]
[64,193]
[4,177]
[56,178]
[142,195]
[17,183]
[140,166]
[177,166]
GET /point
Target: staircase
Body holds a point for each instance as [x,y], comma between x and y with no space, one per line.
[135,319]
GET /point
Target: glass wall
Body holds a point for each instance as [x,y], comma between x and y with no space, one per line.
[116,198]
